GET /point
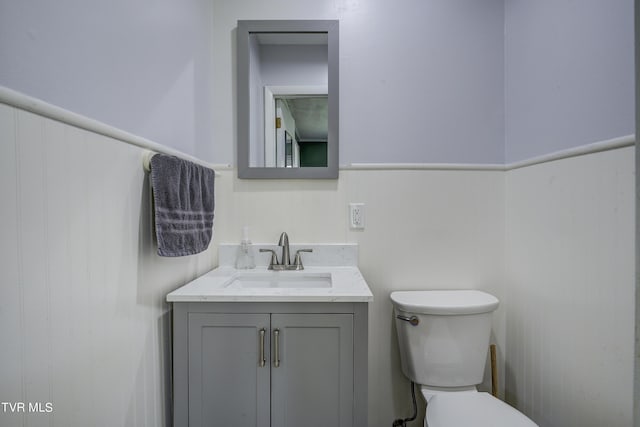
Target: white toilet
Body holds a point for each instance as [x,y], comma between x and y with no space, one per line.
[444,338]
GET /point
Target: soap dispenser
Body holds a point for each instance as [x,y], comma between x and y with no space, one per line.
[246,258]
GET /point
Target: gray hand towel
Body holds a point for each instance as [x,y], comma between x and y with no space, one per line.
[184,204]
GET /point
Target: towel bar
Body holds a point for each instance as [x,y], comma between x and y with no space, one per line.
[146,161]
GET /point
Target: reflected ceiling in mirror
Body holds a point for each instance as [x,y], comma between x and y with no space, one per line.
[287,99]
[309,114]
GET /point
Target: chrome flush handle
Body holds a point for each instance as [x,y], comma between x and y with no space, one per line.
[413,319]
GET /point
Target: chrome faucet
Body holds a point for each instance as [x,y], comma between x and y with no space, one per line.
[284,244]
[285,259]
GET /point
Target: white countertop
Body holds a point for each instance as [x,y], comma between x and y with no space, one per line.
[347,285]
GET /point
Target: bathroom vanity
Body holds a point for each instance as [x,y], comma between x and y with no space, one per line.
[272,348]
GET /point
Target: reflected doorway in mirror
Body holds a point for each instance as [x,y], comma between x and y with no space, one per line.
[302,111]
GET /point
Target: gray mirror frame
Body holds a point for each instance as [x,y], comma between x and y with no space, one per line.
[244,30]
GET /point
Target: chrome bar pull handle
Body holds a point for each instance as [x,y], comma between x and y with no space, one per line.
[413,319]
[276,348]
[262,360]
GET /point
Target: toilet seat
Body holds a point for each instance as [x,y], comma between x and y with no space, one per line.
[464,409]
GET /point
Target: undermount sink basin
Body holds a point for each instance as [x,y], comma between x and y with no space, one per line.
[280,279]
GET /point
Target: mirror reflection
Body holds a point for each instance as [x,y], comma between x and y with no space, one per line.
[297,129]
[289,73]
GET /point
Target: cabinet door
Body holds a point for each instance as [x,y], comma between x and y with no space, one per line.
[312,385]
[228,387]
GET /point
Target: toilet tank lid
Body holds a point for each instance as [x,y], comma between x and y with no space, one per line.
[444,302]
[473,409]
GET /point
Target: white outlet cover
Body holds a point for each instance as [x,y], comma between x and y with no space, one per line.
[356,216]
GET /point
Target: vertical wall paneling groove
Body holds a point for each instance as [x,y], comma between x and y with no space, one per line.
[62,360]
[47,249]
[10,293]
[636,383]
[80,284]
[94,242]
[19,263]
[33,258]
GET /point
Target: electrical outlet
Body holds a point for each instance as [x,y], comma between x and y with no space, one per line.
[356,215]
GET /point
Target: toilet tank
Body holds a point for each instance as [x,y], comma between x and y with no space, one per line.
[448,345]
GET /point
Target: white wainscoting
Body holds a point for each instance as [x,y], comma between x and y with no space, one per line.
[83,320]
[570,290]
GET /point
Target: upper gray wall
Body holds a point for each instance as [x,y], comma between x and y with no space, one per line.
[142,66]
[421,81]
[569,74]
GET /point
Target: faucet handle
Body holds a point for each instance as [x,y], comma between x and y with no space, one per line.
[274,257]
[298,260]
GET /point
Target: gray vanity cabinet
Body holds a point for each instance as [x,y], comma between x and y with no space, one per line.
[270,364]
[226,383]
[313,383]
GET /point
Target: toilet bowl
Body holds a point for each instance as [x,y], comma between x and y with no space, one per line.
[443,338]
[470,409]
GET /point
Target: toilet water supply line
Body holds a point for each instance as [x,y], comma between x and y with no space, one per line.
[403,422]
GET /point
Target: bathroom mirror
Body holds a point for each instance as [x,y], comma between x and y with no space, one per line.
[287,99]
